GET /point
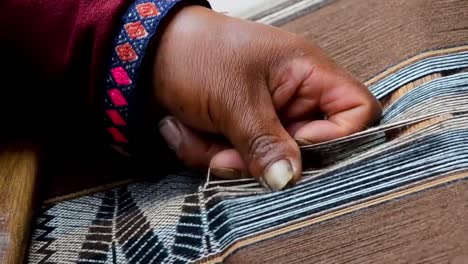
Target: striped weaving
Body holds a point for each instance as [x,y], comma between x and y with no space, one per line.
[419,146]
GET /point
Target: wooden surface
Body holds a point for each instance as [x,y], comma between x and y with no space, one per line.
[18,173]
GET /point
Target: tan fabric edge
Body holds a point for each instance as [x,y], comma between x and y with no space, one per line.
[87,192]
[340,212]
[414,59]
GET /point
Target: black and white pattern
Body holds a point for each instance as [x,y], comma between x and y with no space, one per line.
[181,219]
[133,224]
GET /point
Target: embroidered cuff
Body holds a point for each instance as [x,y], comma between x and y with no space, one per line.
[138,26]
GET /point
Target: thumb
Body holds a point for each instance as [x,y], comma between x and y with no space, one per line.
[255,130]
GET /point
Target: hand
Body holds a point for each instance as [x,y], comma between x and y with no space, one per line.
[258,87]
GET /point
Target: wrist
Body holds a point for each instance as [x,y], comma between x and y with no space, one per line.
[181,41]
[139,25]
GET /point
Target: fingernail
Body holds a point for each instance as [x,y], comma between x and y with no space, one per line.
[226,173]
[170,133]
[278,175]
[302,142]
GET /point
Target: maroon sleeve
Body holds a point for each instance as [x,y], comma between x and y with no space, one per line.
[56,56]
[53,58]
[62,37]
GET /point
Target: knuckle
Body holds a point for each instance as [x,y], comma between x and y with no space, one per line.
[262,146]
[181,153]
[189,160]
[372,109]
[233,108]
[376,109]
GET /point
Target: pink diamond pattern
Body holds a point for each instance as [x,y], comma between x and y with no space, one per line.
[117,97]
[116,118]
[139,24]
[121,76]
[117,135]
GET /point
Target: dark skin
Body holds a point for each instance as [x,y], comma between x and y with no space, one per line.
[261,88]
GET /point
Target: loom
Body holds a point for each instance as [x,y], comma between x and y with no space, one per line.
[396,192]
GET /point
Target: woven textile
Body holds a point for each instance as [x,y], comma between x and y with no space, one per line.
[419,146]
[114,226]
[181,220]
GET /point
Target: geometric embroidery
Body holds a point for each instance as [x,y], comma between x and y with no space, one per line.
[117,97]
[138,25]
[116,118]
[121,76]
[126,52]
[147,10]
[135,30]
[117,135]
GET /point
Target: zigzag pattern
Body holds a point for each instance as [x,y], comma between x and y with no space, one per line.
[98,241]
[43,220]
[190,240]
[135,236]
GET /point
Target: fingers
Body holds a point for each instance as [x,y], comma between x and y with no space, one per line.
[228,164]
[191,147]
[347,105]
[197,151]
[255,130]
